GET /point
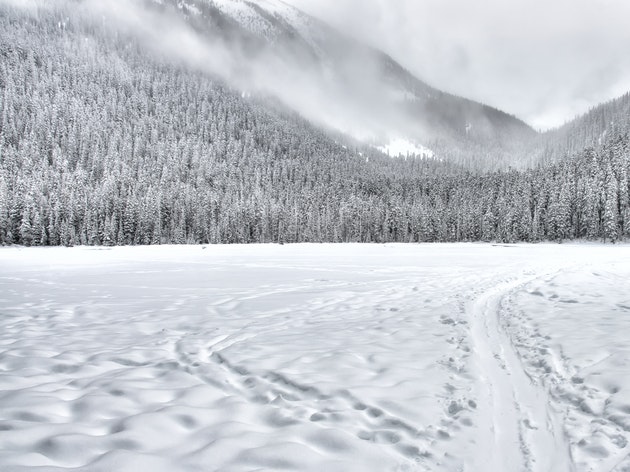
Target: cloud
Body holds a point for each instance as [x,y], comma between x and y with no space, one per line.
[542,60]
[304,89]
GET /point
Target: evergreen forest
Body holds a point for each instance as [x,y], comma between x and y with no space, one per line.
[104,144]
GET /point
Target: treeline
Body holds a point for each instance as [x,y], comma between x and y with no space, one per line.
[601,123]
[102,144]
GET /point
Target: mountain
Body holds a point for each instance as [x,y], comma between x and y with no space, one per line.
[356,89]
[122,126]
[590,130]
[362,92]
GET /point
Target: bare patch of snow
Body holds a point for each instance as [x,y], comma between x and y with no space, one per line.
[405,148]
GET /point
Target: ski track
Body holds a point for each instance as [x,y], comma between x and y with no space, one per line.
[368,362]
[525,432]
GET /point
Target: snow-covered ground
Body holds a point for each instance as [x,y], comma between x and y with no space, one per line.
[464,357]
[402,147]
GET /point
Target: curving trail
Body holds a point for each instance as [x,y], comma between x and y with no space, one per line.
[525,431]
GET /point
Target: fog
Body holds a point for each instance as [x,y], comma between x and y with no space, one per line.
[329,80]
[543,60]
[543,74]
[315,93]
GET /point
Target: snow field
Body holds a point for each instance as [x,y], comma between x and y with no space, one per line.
[572,330]
[315,357]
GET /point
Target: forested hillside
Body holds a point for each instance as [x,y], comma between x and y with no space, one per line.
[103,143]
[589,130]
[380,97]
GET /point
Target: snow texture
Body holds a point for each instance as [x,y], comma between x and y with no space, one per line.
[402,147]
[315,357]
[248,15]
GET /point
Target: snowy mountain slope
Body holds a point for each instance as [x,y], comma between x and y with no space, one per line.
[141,149]
[357,89]
[337,82]
[266,17]
[592,129]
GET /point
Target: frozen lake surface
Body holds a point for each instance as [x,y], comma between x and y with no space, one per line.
[464,357]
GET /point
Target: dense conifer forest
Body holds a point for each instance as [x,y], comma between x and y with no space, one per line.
[104,144]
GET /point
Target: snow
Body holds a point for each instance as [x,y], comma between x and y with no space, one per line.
[315,357]
[190,7]
[403,147]
[245,14]
[581,351]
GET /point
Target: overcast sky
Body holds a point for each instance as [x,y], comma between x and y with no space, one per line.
[544,61]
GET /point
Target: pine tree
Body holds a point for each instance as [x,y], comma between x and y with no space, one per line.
[611,215]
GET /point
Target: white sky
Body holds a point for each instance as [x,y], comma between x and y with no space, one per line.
[543,60]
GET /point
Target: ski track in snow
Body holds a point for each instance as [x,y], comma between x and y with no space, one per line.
[315,357]
[525,433]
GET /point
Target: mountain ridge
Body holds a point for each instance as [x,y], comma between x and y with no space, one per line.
[456,128]
[349,71]
[106,141]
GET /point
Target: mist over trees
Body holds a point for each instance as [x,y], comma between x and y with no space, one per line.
[593,129]
[102,143]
